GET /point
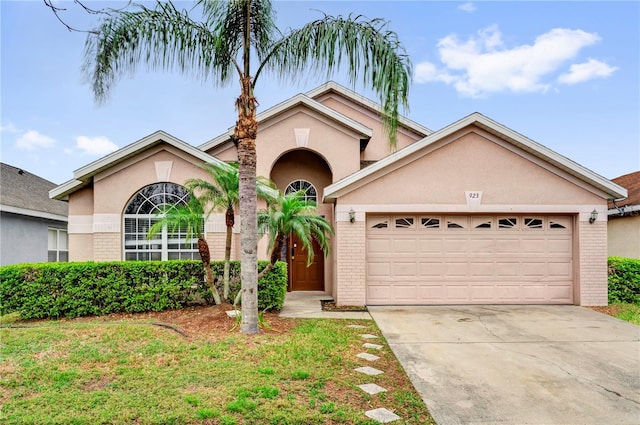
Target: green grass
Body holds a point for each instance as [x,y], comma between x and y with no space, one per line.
[97,372]
[628,312]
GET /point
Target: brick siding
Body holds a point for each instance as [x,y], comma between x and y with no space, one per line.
[350,263]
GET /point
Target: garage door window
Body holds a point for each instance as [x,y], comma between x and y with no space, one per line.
[430,222]
[381,223]
[456,223]
[482,222]
[533,223]
[404,223]
[507,223]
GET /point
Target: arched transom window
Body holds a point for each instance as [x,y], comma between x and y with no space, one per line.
[141,213]
[310,191]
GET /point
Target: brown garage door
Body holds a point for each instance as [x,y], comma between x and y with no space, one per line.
[440,259]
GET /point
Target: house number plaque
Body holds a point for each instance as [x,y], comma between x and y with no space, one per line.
[474,197]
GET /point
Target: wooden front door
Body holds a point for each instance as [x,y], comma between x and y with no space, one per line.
[301,277]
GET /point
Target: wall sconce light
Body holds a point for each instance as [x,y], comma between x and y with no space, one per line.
[594,216]
[352,216]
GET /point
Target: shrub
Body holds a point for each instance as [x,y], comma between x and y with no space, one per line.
[50,290]
[624,280]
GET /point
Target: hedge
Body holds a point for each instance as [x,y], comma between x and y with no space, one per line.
[52,290]
[624,280]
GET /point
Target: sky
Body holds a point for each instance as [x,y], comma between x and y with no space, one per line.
[564,74]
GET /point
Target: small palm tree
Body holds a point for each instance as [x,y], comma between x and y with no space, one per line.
[222,192]
[188,217]
[290,215]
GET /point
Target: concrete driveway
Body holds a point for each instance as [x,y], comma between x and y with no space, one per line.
[518,364]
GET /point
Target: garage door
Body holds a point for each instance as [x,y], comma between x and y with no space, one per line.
[440,259]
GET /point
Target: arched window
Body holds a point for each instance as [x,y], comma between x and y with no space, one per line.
[310,191]
[141,213]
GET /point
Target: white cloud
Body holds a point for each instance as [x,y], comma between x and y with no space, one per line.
[467,7]
[10,128]
[482,64]
[581,72]
[33,140]
[95,146]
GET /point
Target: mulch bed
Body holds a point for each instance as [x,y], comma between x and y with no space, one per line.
[330,305]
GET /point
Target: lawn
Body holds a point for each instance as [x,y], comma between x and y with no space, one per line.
[623,311]
[133,369]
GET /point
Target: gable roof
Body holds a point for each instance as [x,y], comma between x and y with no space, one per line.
[297,100]
[631,182]
[345,185]
[24,193]
[332,86]
[83,176]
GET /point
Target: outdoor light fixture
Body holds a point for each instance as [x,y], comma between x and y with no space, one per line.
[594,216]
[352,215]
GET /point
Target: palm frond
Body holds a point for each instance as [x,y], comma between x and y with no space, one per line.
[371,53]
[162,38]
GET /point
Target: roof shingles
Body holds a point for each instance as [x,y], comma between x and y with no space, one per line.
[21,189]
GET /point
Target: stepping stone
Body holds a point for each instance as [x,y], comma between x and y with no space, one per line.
[382,415]
[374,346]
[369,336]
[232,313]
[367,356]
[371,371]
[372,388]
[356,326]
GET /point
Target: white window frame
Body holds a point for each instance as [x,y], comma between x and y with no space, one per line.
[57,248]
[301,184]
[143,248]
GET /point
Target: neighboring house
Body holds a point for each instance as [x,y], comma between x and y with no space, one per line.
[33,227]
[474,213]
[624,219]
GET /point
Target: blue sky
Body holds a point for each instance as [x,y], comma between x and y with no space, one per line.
[565,74]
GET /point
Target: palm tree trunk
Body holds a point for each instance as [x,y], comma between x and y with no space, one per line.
[230,221]
[205,256]
[245,133]
[275,255]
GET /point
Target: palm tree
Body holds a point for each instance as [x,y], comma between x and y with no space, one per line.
[222,46]
[189,218]
[222,192]
[290,215]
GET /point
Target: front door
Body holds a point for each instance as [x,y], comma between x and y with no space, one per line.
[301,277]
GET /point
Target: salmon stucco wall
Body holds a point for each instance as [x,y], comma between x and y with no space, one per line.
[624,236]
[378,147]
[472,162]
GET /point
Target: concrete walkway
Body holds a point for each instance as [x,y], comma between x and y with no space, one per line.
[306,305]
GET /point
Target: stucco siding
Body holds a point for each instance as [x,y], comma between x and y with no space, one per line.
[378,146]
[471,162]
[80,247]
[25,239]
[338,147]
[113,190]
[624,236]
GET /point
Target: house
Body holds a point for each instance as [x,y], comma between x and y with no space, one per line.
[623,229]
[473,213]
[33,227]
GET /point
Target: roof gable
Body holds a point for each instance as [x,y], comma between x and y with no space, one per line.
[293,102]
[386,165]
[350,95]
[83,176]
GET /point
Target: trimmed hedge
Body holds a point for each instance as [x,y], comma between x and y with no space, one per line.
[51,290]
[624,280]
